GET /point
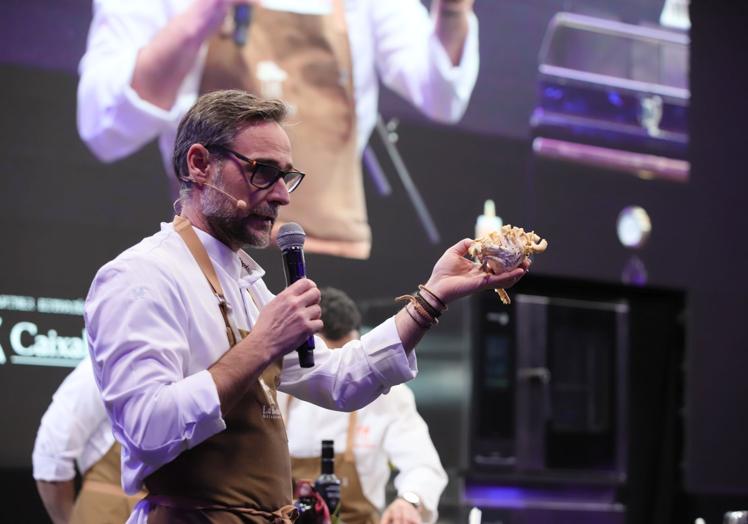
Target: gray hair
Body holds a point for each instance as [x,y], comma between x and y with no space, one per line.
[215,120]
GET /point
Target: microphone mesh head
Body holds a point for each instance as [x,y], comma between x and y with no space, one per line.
[290,235]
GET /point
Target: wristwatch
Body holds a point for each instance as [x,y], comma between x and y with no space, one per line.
[411,498]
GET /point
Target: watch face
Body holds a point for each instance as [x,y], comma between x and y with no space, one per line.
[411,497]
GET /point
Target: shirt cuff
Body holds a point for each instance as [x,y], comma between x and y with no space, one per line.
[140,117]
[51,469]
[202,413]
[144,117]
[464,74]
[386,355]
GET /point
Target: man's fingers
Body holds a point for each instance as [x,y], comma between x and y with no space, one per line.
[461,247]
[316,325]
[301,286]
[507,279]
[310,297]
[315,312]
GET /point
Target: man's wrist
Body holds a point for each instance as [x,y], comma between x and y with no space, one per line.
[455,7]
[411,498]
[435,295]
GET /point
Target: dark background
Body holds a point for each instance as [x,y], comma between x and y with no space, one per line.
[64,214]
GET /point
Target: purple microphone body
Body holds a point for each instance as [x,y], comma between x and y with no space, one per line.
[242,16]
[290,240]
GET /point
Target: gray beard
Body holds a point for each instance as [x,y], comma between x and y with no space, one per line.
[226,221]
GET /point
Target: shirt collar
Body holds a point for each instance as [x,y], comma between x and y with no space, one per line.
[239,265]
[220,254]
[251,270]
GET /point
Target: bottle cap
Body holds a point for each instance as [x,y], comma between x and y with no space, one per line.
[328,449]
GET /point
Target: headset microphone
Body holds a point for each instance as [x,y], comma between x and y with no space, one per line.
[240,204]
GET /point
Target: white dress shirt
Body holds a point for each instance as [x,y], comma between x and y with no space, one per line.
[393,40]
[154,328]
[388,431]
[74,429]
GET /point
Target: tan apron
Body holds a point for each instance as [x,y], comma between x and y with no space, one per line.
[241,475]
[102,499]
[313,51]
[355,508]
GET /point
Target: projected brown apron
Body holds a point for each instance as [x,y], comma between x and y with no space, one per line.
[241,475]
[102,499]
[355,508]
[314,52]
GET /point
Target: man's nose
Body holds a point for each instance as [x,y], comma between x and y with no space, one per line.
[279,192]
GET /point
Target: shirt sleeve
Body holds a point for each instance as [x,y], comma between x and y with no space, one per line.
[409,448]
[112,119]
[412,61]
[351,377]
[137,331]
[75,413]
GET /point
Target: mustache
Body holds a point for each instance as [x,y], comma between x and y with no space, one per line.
[266,210]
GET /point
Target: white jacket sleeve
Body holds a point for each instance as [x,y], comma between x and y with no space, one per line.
[75,414]
[112,119]
[136,327]
[409,448]
[412,61]
[351,377]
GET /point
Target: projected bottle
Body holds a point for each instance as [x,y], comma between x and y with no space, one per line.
[327,484]
[488,221]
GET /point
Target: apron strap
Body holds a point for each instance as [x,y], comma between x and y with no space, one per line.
[197,249]
[350,436]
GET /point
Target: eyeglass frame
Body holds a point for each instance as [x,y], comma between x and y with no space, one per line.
[253,169]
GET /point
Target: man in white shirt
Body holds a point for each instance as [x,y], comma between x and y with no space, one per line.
[147,61]
[389,431]
[188,345]
[74,431]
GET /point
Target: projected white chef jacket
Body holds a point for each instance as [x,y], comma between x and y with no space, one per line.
[391,40]
[154,327]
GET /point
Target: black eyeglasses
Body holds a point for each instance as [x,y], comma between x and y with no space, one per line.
[263,175]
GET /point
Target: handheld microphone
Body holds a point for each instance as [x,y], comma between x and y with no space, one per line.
[290,240]
[241,24]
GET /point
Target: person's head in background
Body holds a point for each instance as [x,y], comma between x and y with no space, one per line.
[340,316]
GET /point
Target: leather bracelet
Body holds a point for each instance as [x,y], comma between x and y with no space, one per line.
[431,310]
[424,314]
[420,311]
[441,303]
[413,316]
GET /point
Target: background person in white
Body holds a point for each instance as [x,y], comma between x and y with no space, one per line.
[158,340]
[74,431]
[389,431]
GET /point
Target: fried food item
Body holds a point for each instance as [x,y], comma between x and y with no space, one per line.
[505,249]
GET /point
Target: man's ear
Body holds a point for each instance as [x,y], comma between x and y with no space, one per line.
[198,161]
